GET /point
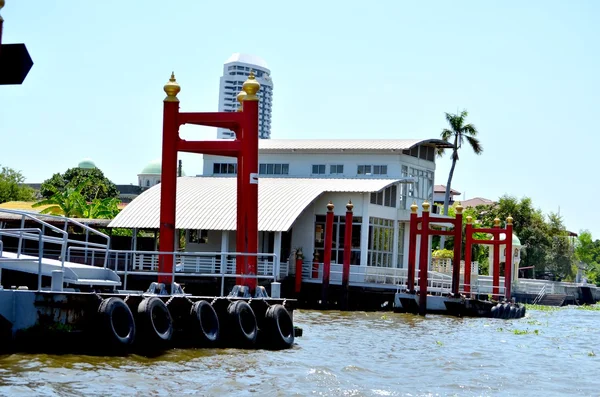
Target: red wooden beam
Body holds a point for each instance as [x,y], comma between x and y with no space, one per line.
[218,148]
[229,120]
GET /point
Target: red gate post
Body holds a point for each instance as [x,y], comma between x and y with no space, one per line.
[468,247]
[457,248]
[327,254]
[508,258]
[168,186]
[241,209]
[299,260]
[347,255]
[424,260]
[412,247]
[496,275]
[250,174]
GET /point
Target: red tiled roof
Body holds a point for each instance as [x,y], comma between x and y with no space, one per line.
[474,202]
[442,189]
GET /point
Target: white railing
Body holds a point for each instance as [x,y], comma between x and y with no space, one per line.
[63,241]
[185,264]
[444,265]
[28,233]
[540,295]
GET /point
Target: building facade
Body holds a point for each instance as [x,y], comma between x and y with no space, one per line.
[235,71]
[297,179]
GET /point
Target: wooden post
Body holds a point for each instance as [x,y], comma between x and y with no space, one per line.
[424,260]
[327,254]
[468,248]
[347,255]
[457,248]
[412,247]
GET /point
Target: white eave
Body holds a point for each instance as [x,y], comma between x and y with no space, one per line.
[209,203]
[350,145]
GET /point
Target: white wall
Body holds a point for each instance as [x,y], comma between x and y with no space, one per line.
[300,163]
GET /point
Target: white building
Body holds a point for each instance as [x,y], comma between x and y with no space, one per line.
[151,174]
[235,71]
[297,180]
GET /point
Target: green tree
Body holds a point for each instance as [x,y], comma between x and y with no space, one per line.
[458,132]
[12,187]
[587,254]
[99,187]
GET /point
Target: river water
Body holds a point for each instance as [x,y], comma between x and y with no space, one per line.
[348,354]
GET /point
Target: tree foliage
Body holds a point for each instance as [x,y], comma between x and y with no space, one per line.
[72,203]
[97,186]
[458,132]
[12,187]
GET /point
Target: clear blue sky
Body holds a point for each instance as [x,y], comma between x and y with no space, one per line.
[528,73]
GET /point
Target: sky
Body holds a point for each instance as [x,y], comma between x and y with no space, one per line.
[527,72]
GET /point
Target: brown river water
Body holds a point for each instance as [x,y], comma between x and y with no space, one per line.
[547,353]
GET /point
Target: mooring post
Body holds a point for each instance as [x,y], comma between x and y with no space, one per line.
[457,249]
[412,248]
[299,260]
[508,256]
[496,259]
[250,176]
[168,186]
[468,245]
[327,253]
[347,255]
[424,260]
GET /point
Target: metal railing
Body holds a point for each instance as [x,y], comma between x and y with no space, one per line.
[27,233]
[540,295]
[62,241]
[185,264]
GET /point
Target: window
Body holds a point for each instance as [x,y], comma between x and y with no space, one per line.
[386,197]
[381,239]
[336,169]
[372,170]
[339,232]
[318,169]
[421,152]
[421,189]
[224,168]
[274,169]
[198,236]
[363,169]
[147,182]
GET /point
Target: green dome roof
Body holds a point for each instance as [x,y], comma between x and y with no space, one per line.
[87,164]
[515,240]
[155,168]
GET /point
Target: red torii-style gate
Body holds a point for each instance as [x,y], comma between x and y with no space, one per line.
[244,147]
[425,231]
[424,220]
[495,231]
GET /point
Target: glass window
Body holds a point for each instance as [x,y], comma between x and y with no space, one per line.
[336,169]
[318,169]
[216,168]
[278,169]
[262,169]
[285,169]
[270,169]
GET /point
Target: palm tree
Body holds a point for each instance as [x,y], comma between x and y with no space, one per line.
[458,132]
[69,202]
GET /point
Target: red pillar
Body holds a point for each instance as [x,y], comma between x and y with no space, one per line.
[424,260]
[496,259]
[468,248]
[240,261]
[347,254]
[327,254]
[168,185]
[412,248]
[299,260]
[508,258]
[457,249]
[250,174]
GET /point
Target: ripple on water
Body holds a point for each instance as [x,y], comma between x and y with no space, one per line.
[346,354]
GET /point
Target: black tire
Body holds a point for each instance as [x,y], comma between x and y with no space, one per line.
[242,324]
[506,311]
[116,326]
[204,324]
[523,309]
[500,312]
[513,312]
[154,322]
[278,328]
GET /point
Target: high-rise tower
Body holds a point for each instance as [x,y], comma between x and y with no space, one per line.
[235,71]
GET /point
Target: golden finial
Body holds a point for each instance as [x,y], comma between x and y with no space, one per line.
[426,206]
[496,222]
[330,206]
[172,88]
[509,220]
[414,207]
[349,206]
[459,208]
[240,99]
[1,7]
[469,219]
[251,87]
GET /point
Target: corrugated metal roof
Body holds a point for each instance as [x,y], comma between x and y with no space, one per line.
[209,203]
[266,145]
